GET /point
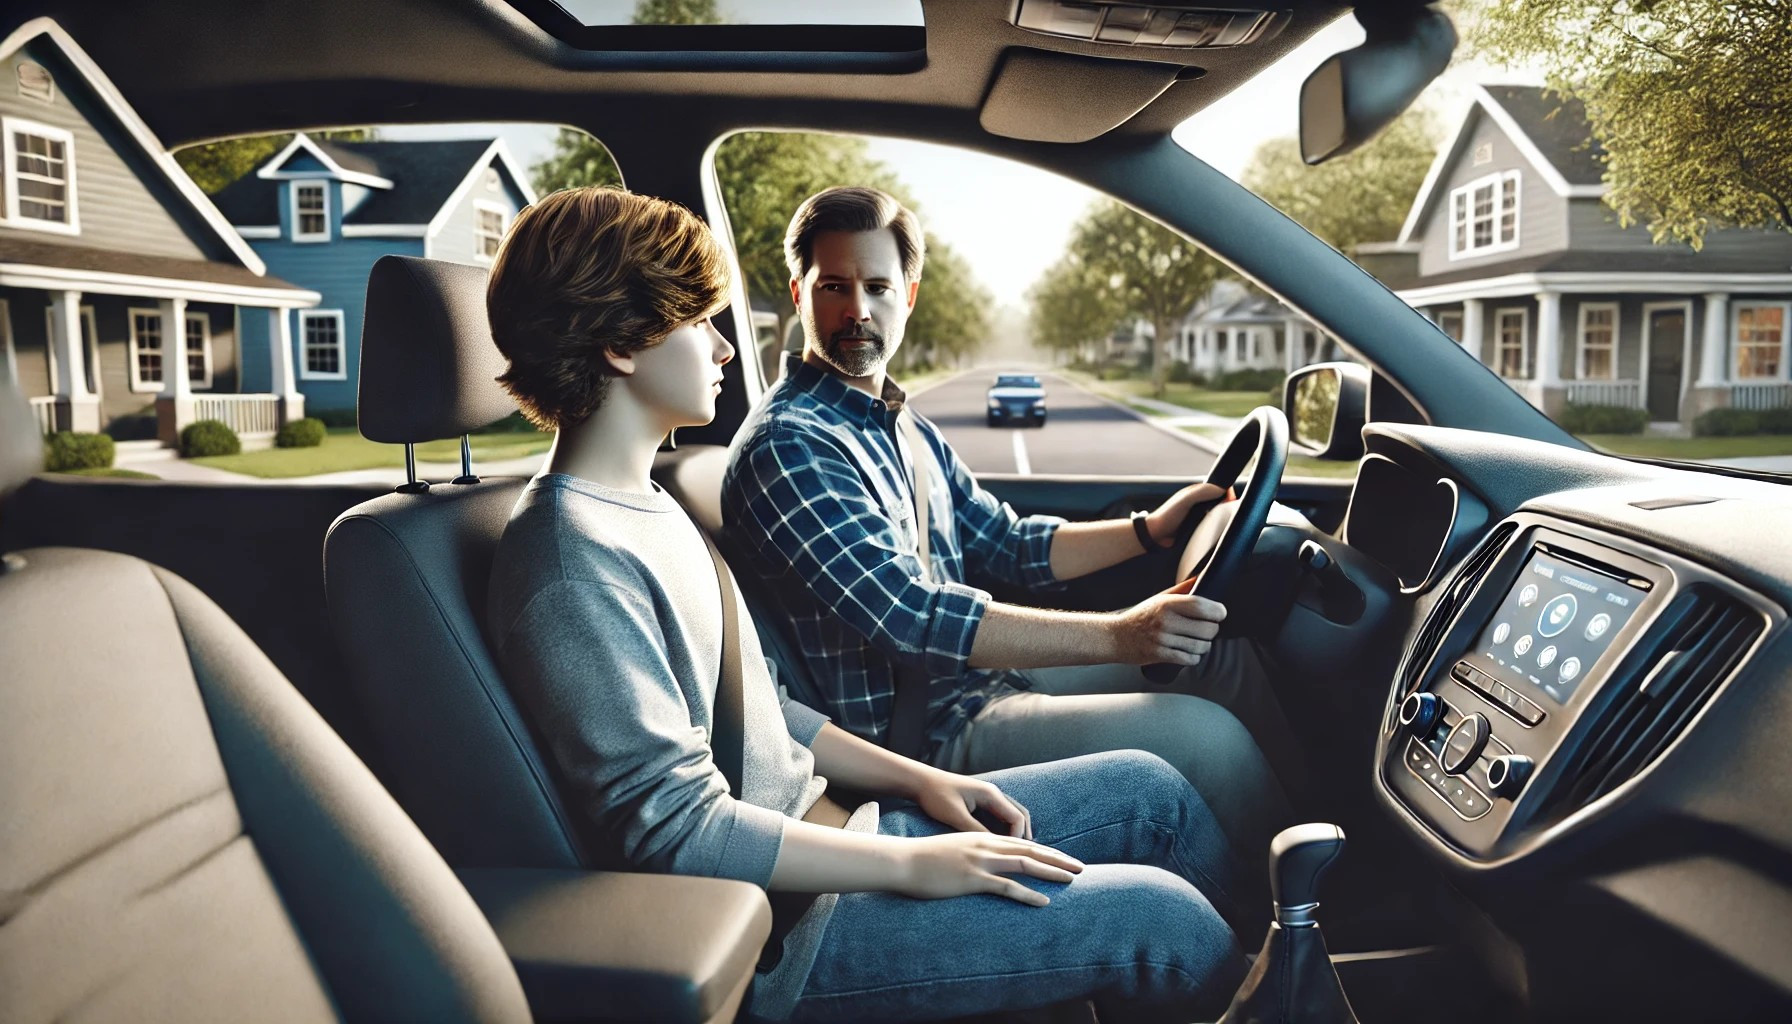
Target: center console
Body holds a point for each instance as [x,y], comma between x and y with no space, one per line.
[1557,664]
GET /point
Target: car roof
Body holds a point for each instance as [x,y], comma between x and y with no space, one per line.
[245,68]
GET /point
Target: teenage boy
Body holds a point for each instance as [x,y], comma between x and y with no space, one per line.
[821,492]
[608,619]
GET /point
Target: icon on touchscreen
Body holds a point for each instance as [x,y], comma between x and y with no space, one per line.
[1597,627]
[1523,646]
[1501,632]
[1557,614]
[1570,669]
[1527,596]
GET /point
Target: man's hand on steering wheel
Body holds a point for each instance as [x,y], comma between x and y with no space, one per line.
[1166,521]
[1172,628]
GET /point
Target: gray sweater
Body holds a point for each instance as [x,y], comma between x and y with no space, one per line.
[607,619]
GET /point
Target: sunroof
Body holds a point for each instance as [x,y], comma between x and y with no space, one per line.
[906,13]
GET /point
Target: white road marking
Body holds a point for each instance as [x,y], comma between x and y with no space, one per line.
[1022,464]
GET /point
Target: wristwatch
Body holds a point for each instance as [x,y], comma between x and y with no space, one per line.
[1146,541]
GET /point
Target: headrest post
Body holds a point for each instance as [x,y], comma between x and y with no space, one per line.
[412,485]
[466,462]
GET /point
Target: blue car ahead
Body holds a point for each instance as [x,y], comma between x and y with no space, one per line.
[1017,398]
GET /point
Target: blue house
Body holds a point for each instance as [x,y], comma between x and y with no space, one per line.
[320,213]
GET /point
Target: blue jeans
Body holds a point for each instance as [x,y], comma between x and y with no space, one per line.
[1137,931]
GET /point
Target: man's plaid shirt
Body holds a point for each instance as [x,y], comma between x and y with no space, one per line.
[818,496]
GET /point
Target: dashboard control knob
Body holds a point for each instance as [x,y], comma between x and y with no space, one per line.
[1418,713]
[1507,774]
[1464,744]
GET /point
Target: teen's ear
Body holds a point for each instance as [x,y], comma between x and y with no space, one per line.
[621,364]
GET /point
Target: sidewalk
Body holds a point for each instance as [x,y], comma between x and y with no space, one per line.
[185,471]
[1172,421]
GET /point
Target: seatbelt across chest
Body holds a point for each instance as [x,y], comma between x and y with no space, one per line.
[907,734]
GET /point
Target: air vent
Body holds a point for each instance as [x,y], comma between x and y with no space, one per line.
[1448,604]
[1707,636]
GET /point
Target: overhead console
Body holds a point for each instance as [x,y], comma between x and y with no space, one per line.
[1557,664]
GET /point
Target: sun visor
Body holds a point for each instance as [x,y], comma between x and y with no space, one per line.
[1042,96]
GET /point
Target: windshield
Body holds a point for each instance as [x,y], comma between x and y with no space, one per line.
[1580,203]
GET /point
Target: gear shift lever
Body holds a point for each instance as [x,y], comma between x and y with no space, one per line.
[1293,979]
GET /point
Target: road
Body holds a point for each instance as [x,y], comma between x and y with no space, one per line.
[1082,434]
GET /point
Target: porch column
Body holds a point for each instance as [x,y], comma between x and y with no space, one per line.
[174,406]
[1714,347]
[78,408]
[1296,332]
[285,386]
[1472,325]
[1548,371]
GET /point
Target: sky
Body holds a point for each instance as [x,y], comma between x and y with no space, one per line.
[1010,221]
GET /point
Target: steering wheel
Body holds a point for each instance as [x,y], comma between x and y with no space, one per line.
[1214,549]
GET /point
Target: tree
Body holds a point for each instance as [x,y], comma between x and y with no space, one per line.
[1071,307]
[1689,99]
[213,165]
[951,317]
[1360,197]
[1152,271]
[677,12]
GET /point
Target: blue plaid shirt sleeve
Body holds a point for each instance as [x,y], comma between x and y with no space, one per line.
[997,543]
[810,509]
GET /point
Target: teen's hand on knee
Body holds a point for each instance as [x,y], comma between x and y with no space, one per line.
[1174,627]
[961,863]
[952,799]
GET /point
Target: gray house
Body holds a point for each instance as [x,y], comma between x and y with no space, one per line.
[1510,250]
[1234,327]
[123,291]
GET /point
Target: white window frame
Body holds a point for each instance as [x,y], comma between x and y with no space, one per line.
[205,348]
[293,198]
[1461,320]
[1736,309]
[1462,214]
[493,182]
[305,371]
[1580,340]
[138,384]
[90,337]
[1524,340]
[10,181]
[503,212]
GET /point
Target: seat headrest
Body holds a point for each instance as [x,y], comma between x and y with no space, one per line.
[21,442]
[429,366]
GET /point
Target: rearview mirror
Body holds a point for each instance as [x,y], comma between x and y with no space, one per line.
[1325,404]
[1357,93]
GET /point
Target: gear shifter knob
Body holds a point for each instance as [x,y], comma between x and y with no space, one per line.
[1298,856]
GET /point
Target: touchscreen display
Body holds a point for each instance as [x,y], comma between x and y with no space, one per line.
[1553,625]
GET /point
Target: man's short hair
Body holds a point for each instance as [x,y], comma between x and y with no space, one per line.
[586,270]
[854,208]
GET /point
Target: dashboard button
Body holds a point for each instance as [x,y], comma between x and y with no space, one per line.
[1419,713]
[1465,744]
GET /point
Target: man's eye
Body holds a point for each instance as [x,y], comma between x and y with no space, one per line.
[877,289]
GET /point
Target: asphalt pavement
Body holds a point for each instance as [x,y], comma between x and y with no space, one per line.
[1084,433]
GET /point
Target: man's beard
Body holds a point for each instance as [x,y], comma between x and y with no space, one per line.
[859,360]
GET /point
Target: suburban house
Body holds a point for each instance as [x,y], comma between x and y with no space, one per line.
[1509,249]
[125,297]
[1234,327]
[322,212]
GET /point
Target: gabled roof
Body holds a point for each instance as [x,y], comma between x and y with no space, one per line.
[1552,133]
[138,132]
[337,163]
[1231,302]
[423,179]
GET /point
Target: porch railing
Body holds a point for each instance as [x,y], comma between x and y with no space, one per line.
[45,411]
[248,415]
[1530,390]
[1768,395]
[1627,393]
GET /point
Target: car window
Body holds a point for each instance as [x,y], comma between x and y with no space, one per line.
[1555,209]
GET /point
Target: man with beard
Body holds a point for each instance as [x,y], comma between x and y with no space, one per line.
[871,533]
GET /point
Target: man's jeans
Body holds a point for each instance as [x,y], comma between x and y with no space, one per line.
[1137,930]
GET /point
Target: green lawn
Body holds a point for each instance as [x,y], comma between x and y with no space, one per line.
[1692,448]
[1298,465]
[1231,404]
[345,449]
[111,471]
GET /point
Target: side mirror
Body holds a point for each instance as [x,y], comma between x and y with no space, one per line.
[1357,93]
[1325,406]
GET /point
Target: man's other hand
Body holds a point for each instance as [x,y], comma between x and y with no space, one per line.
[1174,627]
[1166,519]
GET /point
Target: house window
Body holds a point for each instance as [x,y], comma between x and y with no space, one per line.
[320,336]
[1450,322]
[488,229]
[39,178]
[310,211]
[1599,340]
[1760,342]
[1484,215]
[1510,359]
[492,182]
[148,350]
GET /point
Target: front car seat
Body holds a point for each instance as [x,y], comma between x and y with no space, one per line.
[182,837]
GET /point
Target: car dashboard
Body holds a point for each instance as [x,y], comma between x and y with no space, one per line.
[1587,728]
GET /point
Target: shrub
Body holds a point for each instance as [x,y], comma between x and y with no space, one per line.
[1727,423]
[65,450]
[1775,421]
[1603,419]
[1183,373]
[305,433]
[1249,380]
[208,437]
[335,417]
[1117,372]
[134,426]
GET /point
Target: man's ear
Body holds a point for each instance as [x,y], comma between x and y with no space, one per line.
[796,293]
[914,288]
[621,364]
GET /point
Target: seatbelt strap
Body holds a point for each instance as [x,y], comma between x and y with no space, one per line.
[907,734]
